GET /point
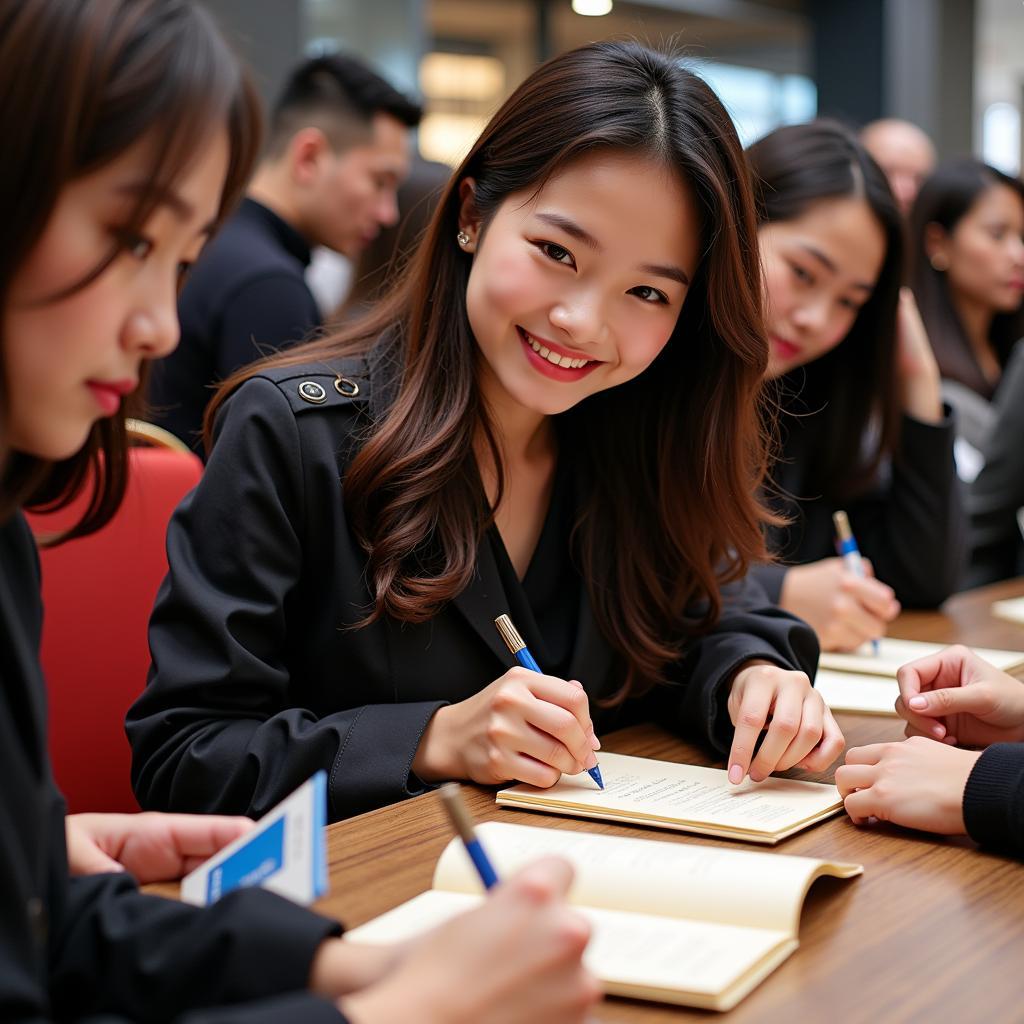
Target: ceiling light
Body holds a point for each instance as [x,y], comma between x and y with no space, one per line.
[592,8]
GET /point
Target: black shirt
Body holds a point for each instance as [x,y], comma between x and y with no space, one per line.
[246,297]
[539,608]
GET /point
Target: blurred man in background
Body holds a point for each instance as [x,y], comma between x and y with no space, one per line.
[337,150]
[905,154]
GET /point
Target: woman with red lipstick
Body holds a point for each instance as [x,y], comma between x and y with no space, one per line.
[554,416]
[862,423]
[151,129]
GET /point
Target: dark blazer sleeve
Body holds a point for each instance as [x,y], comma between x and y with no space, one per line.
[998,491]
[915,531]
[262,315]
[750,627]
[994,799]
[246,958]
[219,728]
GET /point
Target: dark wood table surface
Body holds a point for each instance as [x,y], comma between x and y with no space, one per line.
[932,931]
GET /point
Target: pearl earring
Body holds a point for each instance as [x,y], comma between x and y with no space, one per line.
[939,263]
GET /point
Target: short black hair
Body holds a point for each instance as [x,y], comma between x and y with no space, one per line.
[339,94]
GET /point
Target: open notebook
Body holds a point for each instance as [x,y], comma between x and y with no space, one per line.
[865,682]
[676,923]
[857,691]
[683,797]
[893,654]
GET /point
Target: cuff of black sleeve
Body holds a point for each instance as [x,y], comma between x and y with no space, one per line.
[994,798]
[911,425]
[374,765]
[297,1008]
[273,943]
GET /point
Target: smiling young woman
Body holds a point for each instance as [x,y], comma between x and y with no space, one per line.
[556,416]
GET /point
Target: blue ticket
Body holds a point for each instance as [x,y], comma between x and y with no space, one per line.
[285,852]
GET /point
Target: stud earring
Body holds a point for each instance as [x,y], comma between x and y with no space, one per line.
[939,263]
[463,239]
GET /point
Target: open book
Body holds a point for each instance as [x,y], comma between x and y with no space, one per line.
[676,923]
[683,797]
[893,654]
[866,682]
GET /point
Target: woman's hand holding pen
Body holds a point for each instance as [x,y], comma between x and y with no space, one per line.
[525,726]
[801,730]
[516,959]
[843,609]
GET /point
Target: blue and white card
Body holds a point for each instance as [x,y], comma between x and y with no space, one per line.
[286,852]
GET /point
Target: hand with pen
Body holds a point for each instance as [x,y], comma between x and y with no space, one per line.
[515,959]
[844,609]
[523,727]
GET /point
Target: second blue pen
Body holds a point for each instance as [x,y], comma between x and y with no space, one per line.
[515,644]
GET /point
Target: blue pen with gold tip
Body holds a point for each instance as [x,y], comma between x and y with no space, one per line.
[451,797]
[850,553]
[516,645]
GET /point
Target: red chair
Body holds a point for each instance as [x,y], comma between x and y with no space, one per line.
[98,592]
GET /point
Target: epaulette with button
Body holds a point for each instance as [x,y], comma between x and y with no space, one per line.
[321,385]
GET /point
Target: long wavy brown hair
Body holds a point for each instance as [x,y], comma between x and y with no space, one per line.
[80,83]
[672,460]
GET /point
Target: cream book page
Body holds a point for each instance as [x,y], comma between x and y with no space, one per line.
[1011,610]
[855,691]
[686,797]
[672,922]
[893,654]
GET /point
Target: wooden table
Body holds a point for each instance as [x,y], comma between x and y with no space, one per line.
[933,930]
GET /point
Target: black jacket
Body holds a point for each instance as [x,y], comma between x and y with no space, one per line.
[911,525]
[997,493]
[258,678]
[96,948]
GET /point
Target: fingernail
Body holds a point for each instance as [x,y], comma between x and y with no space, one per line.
[918,702]
[735,774]
[595,740]
[938,732]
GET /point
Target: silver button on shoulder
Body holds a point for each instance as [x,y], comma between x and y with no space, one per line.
[311,391]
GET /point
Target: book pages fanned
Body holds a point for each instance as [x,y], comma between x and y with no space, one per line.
[677,923]
[893,654]
[683,797]
[857,691]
